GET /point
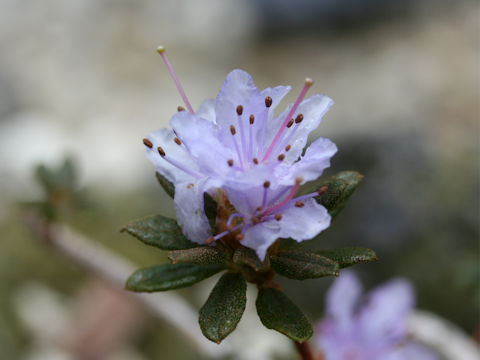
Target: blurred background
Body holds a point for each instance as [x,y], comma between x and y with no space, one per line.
[82,80]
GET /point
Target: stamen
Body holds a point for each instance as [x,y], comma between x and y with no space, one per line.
[242,132]
[255,161]
[268,101]
[252,119]
[239,237]
[288,147]
[210,240]
[308,84]
[147,143]
[239,110]
[289,197]
[163,54]
[258,209]
[179,165]
[180,108]
[226,232]
[266,185]
[177,141]
[299,119]
[278,217]
[299,204]
[230,162]
[161,152]
[281,157]
[250,137]
[233,131]
[290,123]
[233,216]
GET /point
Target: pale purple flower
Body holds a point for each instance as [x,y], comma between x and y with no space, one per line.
[236,143]
[369,327]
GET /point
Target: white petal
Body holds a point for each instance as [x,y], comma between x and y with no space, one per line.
[261,236]
[206,110]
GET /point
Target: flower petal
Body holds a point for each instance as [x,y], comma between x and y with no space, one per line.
[189,207]
[165,139]
[259,237]
[202,139]
[206,110]
[311,165]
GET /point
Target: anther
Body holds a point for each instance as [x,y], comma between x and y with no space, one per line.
[288,147]
[298,180]
[160,49]
[308,81]
[230,162]
[210,240]
[255,161]
[290,123]
[147,143]
[232,130]
[278,217]
[239,237]
[266,184]
[239,109]
[177,141]
[281,157]
[256,220]
[180,108]
[160,151]
[259,208]
[322,190]
[299,119]
[299,204]
[252,119]
[268,101]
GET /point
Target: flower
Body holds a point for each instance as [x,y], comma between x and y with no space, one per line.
[237,144]
[370,328]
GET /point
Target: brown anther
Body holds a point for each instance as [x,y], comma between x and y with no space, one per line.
[147,143]
[191,185]
[256,220]
[160,150]
[298,180]
[229,227]
[177,141]
[239,237]
[288,147]
[281,157]
[278,217]
[180,108]
[232,130]
[268,101]
[299,119]
[322,190]
[266,184]
[210,240]
[299,204]
[259,208]
[252,119]
[255,161]
[290,123]
[230,162]
[239,109]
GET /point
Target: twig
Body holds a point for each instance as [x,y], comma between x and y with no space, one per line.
[115,269]
[304,350]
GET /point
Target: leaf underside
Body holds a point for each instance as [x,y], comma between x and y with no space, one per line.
[303,265]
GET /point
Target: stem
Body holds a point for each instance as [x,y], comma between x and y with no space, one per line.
[304,350]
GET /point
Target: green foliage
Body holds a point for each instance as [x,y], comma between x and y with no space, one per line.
[159,231]
[169,276]
[278,312]
[202,255]
[346,257]
[303,265]
[247,257]
[210,207]
[166,185]
[224,307]
[338,190]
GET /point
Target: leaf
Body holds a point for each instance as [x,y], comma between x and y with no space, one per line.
[210,208]
[248,257]
[302,265]
[159,231]
[202,255]
[349,256]
[224,307]
[339,188]
[166,184]
[169,276]
[278,312]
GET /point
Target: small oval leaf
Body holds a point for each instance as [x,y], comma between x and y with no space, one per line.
[349,256]
[202,255]
[224,307]
[278,312]
[159,231]
[303,265]
[169,276]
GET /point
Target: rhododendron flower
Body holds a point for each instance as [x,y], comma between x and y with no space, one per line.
[373,327]
[237,144]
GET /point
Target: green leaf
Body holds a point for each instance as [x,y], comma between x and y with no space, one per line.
[169,276]
[248,257]
[349,256]
[159,231]
[339,188]
[302,265]
[202,255]
[224,307]
[210,207]
[166,185]
[278,312]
